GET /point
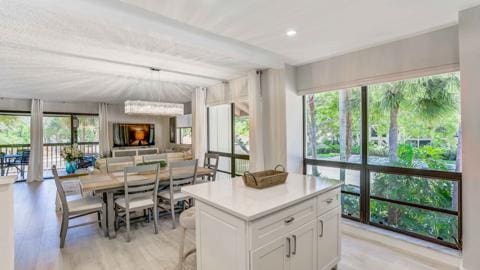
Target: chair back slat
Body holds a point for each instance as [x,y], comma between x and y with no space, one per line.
[182,172]
[211,162]
[60,190]
[118,164]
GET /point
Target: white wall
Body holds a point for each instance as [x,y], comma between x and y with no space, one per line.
[469,40]
[294,122]
[9,104]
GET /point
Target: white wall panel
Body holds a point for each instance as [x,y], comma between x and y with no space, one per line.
[425,54]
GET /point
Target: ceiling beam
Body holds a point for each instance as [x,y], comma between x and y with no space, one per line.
[183,33]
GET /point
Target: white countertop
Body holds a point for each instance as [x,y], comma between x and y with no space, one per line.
[249,203]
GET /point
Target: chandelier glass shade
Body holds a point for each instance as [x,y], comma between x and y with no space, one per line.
[153,108]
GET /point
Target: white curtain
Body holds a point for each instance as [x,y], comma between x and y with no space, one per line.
[256,119]
[104,135]
[274,118]
[218,94]
[35,168]
[239,89]
[199,123]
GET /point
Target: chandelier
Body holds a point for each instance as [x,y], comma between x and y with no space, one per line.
[153,108]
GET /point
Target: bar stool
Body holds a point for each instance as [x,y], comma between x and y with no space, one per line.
[187,222]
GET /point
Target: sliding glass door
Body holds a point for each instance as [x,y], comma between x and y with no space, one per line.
[61,130]
[228,131]
[14,143]
[396,146]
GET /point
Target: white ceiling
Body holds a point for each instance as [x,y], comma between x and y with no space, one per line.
[90,50]
[324,27]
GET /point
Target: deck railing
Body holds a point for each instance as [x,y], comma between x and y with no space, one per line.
[51,153]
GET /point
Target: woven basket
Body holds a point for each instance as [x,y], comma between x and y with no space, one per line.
[266,178]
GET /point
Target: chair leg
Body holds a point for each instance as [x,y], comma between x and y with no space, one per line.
[172,209]
[127,220]
[63,232]
[99,219]
[181,249]
[155,218]
[61,228]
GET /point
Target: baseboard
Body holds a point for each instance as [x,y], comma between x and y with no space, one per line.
[405,244]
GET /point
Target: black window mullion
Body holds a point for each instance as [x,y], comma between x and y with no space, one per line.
[232,136]
[364,174]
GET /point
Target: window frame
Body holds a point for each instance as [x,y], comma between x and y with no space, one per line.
[232,155]
[365,169]
[179,130]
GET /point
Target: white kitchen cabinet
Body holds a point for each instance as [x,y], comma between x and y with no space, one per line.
[328,243]
[277,228]
[293,251]
[304,247]
[273,256]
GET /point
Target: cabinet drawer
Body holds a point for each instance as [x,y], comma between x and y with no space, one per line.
[279,224]
[328,201]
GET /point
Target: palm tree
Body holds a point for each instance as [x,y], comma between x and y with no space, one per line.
[432,99]
[393,96]
[346,139]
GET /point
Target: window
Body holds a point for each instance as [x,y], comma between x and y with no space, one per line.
[241,129]
[88,128]
[401,165]
[184,135]
[63,129]
[333,125]
[14,140]
[57,129]
[228,136]
[417,123]
[14,128]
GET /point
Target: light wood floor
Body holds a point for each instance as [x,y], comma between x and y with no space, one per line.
[37,228]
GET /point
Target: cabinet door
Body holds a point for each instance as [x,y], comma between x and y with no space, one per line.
[328,235]
[274,256]
[304,247]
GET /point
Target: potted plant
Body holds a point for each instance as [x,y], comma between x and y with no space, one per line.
[71,154]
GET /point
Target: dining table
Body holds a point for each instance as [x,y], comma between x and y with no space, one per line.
[109,184]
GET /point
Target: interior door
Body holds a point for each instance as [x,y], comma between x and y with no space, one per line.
[304,247]
[274,256]
[328,235]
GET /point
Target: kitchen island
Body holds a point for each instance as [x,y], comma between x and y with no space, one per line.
[290,226]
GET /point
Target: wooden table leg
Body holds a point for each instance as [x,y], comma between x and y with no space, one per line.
[111,215]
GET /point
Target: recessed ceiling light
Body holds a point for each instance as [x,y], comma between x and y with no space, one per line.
[291,32]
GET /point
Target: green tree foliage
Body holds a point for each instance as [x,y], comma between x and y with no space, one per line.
[14,129]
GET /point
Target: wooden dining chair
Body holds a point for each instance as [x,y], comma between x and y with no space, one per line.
[75,206]
[211,162]
[139,194]
[181,173]
[117,164]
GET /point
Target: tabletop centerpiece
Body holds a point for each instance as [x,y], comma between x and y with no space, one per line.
[71,154]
